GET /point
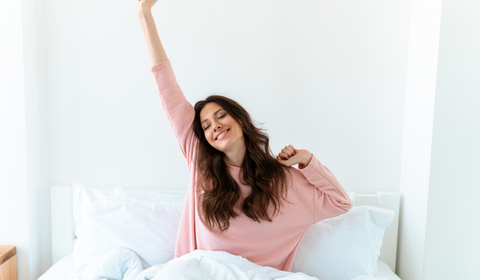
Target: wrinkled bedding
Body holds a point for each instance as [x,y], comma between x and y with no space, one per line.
[123,264]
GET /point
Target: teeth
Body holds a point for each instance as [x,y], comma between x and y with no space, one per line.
[221,134]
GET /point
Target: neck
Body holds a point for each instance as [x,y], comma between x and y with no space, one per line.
[236,157]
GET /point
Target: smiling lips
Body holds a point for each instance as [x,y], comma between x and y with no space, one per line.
[221,135]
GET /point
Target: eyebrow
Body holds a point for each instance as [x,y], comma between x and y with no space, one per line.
[213,113]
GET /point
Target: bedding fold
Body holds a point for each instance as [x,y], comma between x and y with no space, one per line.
[123,264]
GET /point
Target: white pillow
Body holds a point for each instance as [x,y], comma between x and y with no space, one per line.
[352,196]
[344,247]
[148,195]
[105,223]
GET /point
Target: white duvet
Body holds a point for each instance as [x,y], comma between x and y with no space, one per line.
[123,264]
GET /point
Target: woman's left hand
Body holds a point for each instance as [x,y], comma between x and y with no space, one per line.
[290,156]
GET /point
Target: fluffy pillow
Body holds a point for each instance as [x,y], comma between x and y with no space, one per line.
[352,197]
[344,247]
[105,223]
[148,195]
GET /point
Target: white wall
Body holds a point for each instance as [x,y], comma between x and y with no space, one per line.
[417,136]
[14,204]
[452,228]
[439,228]
[38,176]
[329,77]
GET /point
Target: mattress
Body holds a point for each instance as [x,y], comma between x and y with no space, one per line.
[64,267]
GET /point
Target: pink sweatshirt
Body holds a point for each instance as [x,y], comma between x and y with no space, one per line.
[315,194]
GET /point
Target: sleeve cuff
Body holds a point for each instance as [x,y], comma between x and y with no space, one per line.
[160,66]
[310,170]
[316,171]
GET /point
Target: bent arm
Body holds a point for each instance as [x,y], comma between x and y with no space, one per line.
[155,49]
[331,199]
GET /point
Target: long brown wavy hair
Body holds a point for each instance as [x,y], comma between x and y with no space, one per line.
[260,170]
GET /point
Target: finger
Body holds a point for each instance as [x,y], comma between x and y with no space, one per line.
[283,156]
[288,151]
[293,160]
[290,147]
[283,162]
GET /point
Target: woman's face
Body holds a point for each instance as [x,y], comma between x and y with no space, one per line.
[221,130]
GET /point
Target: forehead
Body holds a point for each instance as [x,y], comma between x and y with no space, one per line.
[208,110]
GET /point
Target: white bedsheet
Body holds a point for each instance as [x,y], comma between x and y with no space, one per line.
[196,265]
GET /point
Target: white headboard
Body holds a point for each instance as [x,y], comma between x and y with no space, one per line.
[63,224]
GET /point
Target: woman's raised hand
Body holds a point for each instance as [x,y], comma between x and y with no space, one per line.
[144,6]
[156,53]
[290,156]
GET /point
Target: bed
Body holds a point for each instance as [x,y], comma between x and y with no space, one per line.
[361,243]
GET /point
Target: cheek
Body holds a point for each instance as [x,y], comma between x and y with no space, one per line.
[240,130]
[208,137]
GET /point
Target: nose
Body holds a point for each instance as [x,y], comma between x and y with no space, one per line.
[217,126]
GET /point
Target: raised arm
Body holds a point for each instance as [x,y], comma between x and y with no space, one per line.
[156,52]
[179,111]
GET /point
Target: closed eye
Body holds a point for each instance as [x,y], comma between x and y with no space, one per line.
[206,127]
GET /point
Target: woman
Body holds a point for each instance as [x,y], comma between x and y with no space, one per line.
[241,199]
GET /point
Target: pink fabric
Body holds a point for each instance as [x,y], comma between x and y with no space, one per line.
[314,195]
